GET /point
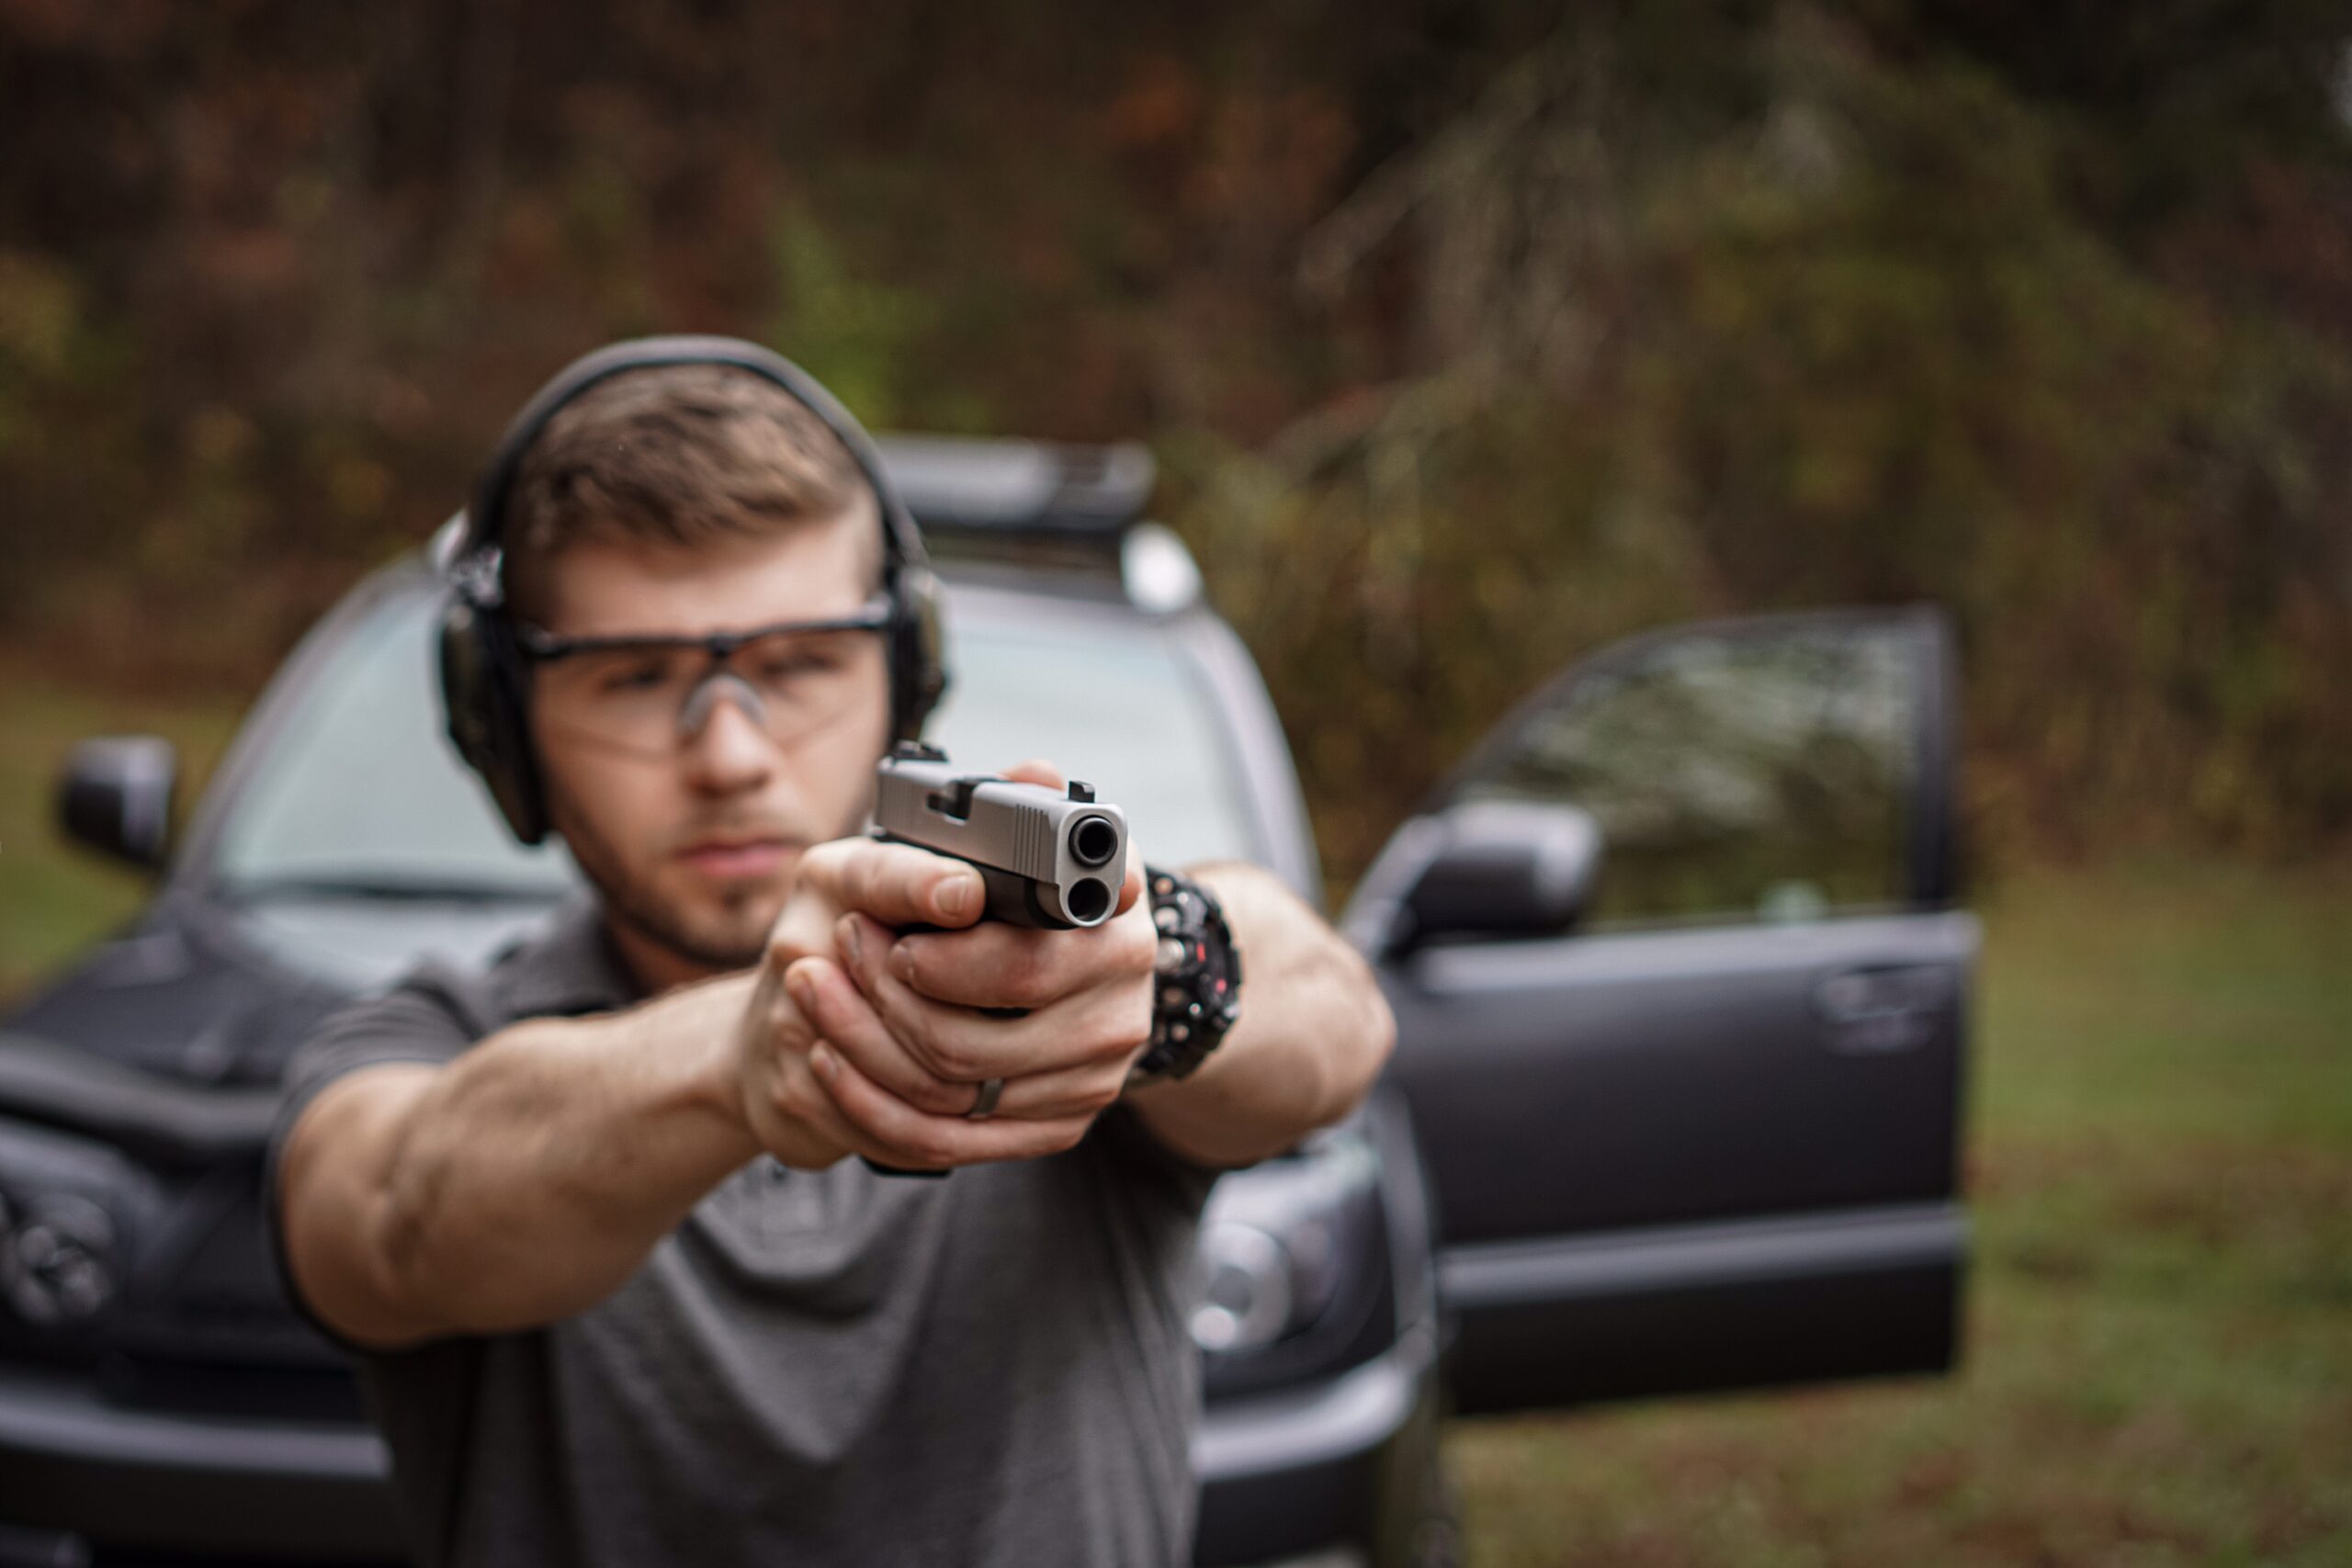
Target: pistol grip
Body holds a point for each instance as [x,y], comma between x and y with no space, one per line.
[880,1170]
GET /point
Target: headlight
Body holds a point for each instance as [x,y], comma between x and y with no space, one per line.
[1279,1240]
[1247,1300]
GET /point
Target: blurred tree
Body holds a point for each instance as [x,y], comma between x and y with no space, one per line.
[1476,332]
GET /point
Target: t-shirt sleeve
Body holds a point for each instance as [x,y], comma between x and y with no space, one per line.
[419,1020]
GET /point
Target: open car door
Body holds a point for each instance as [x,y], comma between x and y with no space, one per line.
[1682,989]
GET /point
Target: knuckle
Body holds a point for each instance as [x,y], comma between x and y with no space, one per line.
[794,1022]
[924,1146]
[905,872]
[1025,976]
[855,882]
[789,941]
[939,1098]
[864,1117]
[771,1026]
[793,1098]
[901,887]
[931,1042]
[1113,1045]
[1122,1030]
[951,1058]
[823,863]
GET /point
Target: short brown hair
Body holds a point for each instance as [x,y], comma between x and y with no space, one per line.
[673,455]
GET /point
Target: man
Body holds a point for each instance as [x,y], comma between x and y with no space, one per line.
[588,1220]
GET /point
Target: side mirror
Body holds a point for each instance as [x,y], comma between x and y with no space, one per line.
[114,795]
[1496,868]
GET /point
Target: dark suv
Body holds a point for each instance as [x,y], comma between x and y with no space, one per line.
[1684,1121]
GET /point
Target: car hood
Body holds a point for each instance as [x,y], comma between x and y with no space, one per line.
[150,1068]
[201,992]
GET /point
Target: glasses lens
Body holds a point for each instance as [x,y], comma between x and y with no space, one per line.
[625,697]
[637,698]
[805,680]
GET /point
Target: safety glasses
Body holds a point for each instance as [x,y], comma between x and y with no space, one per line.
[652,694]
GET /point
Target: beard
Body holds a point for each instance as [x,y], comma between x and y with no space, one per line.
[727,930]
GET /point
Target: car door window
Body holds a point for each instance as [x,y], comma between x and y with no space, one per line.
[1735,777]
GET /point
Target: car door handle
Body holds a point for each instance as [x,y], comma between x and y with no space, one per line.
[1873,1011]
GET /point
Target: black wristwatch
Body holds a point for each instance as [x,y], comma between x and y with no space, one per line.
[1198,978]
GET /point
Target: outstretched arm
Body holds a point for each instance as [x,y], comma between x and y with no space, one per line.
[528,1177]
[519,1183]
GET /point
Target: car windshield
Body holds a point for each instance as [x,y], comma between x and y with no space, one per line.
[360,795]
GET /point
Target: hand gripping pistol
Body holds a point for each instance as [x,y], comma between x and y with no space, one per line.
[1049,860]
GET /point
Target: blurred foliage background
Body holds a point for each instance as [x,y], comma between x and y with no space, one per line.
[1471,334]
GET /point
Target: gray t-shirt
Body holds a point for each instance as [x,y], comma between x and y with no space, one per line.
[814,1368]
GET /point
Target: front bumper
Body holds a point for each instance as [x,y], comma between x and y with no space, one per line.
[71,1463]
[1282,1473]
[1346,1461]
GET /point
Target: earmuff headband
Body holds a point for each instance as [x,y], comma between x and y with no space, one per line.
[475,568]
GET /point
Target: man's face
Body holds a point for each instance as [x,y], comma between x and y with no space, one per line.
[694,842]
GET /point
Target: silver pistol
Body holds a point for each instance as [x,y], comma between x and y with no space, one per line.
[1049,859]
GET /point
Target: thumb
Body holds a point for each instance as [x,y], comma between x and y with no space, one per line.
[1036,771]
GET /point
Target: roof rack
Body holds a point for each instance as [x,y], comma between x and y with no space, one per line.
[965,484]
[1024,505]
[1042,504]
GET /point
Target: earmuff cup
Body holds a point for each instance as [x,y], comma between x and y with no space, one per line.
[485,695]
[485,680]
[918,651]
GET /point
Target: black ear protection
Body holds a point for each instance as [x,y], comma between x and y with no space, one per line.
[485,680]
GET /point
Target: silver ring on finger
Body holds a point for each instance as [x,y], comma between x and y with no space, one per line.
[985,1106]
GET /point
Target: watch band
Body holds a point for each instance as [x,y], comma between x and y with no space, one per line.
[1197,978]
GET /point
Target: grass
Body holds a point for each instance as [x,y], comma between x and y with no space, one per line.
[2160,1340]
[2160,1359]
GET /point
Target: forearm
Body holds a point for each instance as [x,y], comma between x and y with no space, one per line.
[528,1178]
[1313,1032]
